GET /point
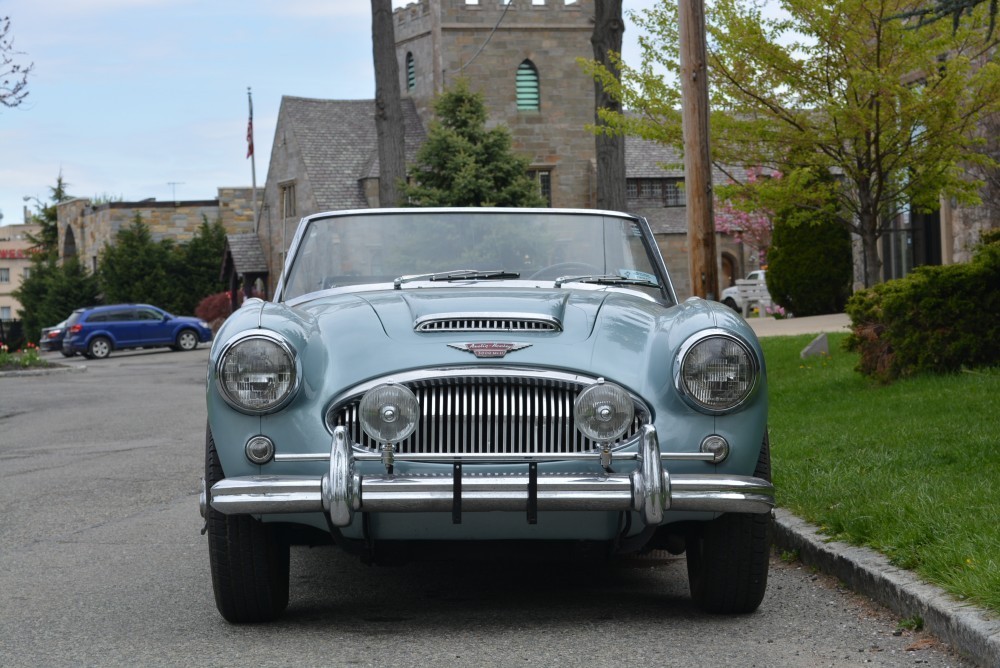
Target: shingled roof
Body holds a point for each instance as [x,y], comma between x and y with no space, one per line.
[339,145]
[246,253]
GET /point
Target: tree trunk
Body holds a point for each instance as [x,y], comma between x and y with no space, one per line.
[389,123]
[607,36]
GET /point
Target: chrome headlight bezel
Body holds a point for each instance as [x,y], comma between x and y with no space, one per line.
[293,368]
[690,396]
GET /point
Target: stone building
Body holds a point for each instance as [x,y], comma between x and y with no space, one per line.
[86,228]
[15,264]
[522,57]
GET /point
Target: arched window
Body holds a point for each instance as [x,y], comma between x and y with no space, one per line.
[411,72]
[528,96]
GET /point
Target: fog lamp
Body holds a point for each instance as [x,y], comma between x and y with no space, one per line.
[389,413]
[260,450]
[603,411]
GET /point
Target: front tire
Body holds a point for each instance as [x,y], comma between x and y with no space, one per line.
[99,347]
[186,340]
[249,561]
[731,303]
[728,558]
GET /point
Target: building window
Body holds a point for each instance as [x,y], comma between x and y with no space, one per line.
[668,192]
[673,193]
[543,177]
[528,97]
[26,273]
[287,193]
[4,275]
[5,313]
[411,72]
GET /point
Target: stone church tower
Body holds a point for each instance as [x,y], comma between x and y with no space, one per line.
[521,55]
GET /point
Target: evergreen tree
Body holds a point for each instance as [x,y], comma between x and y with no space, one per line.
[199,267]
[135,268]
[464,164]
[51,291]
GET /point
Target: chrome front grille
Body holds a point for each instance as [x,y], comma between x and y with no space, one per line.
[459,322]
[467,415]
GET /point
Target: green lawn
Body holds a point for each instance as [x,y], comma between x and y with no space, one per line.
[910,469]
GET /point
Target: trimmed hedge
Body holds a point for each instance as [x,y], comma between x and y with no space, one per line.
[809,267]
[938,319]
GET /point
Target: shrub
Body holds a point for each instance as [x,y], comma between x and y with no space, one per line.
[213,309]
[809,267]
[938,319]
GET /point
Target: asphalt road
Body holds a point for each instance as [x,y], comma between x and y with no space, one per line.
[102,564]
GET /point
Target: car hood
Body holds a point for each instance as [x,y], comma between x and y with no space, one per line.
[346,339]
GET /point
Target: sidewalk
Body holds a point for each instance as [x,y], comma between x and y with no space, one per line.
[815,324]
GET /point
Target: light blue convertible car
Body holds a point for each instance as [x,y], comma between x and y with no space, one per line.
[432,380]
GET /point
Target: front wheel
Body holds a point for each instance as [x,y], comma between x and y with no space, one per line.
[728,557]
[186,340]
[249,561]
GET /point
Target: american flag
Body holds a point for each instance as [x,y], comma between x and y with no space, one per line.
[250,134]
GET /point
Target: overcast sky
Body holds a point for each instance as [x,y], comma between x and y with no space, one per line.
[148,98]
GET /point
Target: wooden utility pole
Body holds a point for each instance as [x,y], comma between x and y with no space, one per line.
[697,160]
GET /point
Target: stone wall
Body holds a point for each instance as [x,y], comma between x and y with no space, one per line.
[85,229]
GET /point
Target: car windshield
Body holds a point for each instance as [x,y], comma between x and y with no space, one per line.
[405,247]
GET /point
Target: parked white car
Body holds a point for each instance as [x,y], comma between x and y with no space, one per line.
[731,295]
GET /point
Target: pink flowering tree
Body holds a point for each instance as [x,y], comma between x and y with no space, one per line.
[741,212]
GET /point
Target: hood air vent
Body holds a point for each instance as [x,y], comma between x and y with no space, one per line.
[487,322]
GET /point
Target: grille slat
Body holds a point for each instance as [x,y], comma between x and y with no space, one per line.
[488,415]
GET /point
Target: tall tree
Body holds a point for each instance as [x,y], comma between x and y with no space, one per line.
[607,43]
[46,216]
[464,164]
[389,123]
[135,268]
[13,75]
[833,87]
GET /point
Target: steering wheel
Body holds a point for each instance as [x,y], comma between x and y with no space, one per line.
[554,271]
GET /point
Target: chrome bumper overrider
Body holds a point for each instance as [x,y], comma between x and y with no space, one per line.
[648,490]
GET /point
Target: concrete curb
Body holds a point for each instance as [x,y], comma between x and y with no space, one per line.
[43,371]
[972,631]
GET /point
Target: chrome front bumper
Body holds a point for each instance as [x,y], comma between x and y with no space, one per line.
[648,490]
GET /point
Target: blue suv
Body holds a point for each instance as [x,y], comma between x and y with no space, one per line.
[96,331]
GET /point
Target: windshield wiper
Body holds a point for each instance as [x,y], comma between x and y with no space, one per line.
[606,279]
[457,275]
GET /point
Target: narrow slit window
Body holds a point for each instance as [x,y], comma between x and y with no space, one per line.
[411,72]
[528,96]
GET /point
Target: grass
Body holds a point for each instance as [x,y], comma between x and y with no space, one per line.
[910,469]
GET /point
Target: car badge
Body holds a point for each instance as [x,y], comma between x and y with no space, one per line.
[488,350]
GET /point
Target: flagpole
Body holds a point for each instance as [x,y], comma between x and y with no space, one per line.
[253,162]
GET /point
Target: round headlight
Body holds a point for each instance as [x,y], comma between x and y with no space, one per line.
[257,374]
[717,372]
[603,411]
[389,413]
